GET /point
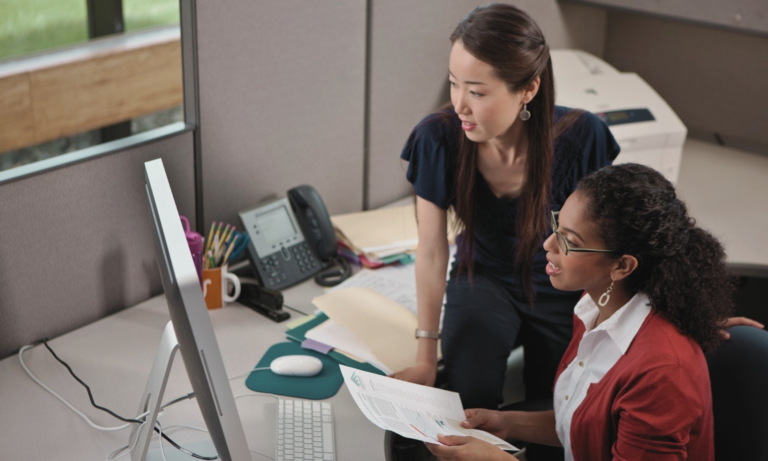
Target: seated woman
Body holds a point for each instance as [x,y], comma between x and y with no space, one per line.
[633,383]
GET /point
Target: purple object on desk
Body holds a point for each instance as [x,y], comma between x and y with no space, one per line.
[195,242]
[315,346]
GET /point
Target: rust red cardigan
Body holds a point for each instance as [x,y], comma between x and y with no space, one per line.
[654,404]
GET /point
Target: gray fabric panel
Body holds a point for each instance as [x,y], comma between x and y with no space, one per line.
[77,241]
[409,70]
[714,79]
[746,15]
[281,102]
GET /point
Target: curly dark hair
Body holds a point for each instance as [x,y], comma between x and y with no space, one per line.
[681,266]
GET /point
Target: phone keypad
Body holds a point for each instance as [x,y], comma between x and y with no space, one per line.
[274,268]
[305,258]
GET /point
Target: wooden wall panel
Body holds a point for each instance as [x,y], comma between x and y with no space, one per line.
[90,94]
[16,128]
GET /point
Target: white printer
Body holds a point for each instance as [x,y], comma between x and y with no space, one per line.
[647,129]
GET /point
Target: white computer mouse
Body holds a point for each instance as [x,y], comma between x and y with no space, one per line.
[296,365]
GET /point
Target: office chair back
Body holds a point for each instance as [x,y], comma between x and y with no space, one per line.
[738,371]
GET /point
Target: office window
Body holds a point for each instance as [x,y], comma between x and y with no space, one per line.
[32,26]
[97,71]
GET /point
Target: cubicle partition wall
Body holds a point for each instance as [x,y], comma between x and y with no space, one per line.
[409,70]
[281,87]
[77,241]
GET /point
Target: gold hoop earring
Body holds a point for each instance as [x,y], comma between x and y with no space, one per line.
[525,114]
[606,296]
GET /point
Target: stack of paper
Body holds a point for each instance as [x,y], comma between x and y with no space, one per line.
[379,237]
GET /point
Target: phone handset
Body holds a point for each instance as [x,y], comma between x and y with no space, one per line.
[316,224]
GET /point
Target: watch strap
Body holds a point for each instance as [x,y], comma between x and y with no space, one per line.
[427,334]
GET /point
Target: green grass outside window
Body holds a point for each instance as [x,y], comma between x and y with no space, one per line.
[33,26]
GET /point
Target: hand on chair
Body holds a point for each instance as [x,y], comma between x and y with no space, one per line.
[734,321]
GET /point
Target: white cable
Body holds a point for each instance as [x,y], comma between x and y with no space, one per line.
[249,372]
[257,394]
[65,402]
[162,450]
[111,457]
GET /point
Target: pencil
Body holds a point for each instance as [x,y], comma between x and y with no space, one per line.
[210,235]
[225,237]
[228,233]
[229,251]
[218,232]
[216,251]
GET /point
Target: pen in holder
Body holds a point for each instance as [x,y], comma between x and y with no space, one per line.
[195,242]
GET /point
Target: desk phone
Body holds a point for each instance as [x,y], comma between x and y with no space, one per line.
[292,238]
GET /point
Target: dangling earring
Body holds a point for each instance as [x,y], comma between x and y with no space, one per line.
[525,114]
[606,296]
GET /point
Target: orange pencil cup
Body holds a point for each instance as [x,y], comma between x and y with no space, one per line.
[216,287]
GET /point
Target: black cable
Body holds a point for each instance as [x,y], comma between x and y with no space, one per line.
[127,420]
[295,310]
[335,274]
[90,394]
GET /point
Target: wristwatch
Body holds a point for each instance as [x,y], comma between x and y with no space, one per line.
[427,334]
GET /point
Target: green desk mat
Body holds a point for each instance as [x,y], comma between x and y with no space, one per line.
[321,386]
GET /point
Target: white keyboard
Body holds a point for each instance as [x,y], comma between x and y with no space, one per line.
[304,431]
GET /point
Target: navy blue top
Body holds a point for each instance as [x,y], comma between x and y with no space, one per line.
[432,152]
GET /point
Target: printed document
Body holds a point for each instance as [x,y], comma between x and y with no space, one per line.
[397,283]
[413,411]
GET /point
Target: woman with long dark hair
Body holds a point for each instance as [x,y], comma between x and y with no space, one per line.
[633,383]
[502,156]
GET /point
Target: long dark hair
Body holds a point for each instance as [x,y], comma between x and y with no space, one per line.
[506,38]
[681,266]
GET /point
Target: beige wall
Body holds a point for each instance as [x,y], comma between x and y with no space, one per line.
[410,50]
[714,79]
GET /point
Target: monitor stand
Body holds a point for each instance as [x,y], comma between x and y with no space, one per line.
[152,401]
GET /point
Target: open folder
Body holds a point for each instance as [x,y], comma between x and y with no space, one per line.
[385,327]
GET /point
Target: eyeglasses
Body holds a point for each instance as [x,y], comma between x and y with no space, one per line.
[564,243]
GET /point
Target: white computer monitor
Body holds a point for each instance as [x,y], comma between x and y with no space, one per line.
[191,329]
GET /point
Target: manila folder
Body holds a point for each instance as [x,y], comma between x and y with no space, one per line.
[381,323]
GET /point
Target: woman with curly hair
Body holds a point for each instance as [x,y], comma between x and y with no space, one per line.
[633,383]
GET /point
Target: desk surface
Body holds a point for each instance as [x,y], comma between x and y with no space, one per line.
[114,356]
[726,191]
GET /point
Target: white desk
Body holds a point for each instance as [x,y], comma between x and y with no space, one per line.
[114,356]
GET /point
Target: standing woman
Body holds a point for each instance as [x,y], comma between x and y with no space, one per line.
[502,157]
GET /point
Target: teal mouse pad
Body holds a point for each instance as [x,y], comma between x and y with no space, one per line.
[321,386]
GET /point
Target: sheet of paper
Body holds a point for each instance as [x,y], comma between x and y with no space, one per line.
[397,283]
[413,411]
[340,338]
[384,325]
